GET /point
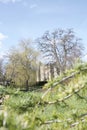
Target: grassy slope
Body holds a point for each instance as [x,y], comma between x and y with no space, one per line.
[63,107]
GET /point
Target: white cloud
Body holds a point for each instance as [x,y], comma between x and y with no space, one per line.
[0,44]
[2,54]
[2,37]
[12,1]
[33,6]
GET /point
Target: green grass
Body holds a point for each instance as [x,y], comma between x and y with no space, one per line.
[64,107]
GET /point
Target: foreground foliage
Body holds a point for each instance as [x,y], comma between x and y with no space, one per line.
[60,105]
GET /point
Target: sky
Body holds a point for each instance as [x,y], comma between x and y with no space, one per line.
[24,19]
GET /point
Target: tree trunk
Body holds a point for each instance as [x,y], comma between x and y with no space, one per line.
[27,85]
[51,71]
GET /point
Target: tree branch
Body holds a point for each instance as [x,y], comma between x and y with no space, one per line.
[65,98]
[64,79]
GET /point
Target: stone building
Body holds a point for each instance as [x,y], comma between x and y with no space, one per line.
[46,72]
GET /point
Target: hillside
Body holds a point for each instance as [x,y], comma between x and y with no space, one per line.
[60,105]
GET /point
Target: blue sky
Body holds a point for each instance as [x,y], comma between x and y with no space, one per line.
[21,19]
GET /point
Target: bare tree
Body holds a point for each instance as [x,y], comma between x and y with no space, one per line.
[60,48]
